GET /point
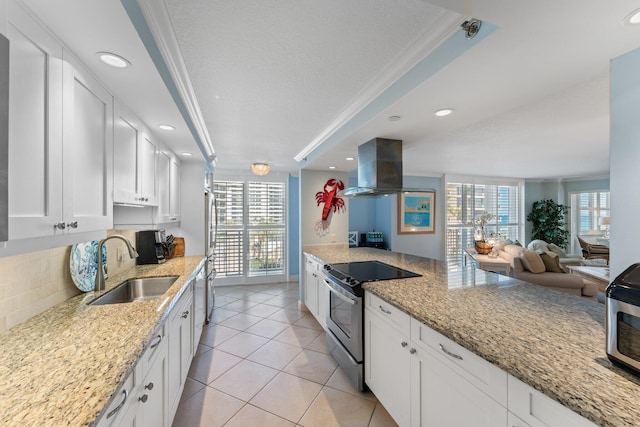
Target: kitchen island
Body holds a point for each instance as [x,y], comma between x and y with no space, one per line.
[551,341]
[62,366]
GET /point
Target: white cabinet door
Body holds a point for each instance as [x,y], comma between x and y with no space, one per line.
[168,188]
[126,130]
[311,286]
[87,150]
[388,366]
[152,393]
[180,347]
[147,171]
[35,128]
[442,398]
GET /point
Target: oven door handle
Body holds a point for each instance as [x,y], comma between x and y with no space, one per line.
[339,293]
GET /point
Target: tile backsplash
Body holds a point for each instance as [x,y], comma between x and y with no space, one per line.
[34,282]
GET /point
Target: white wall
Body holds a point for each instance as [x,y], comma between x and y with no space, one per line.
[624,158]
[312,182]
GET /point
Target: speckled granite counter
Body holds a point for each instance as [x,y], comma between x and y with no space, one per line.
[552,341]
[62,366]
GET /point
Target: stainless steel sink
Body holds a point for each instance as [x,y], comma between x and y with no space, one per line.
[136,289]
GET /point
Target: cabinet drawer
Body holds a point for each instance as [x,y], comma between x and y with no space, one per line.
[312,263]
[538,410]
[183,307]
[388,312]
[120,401]
[487,377]
[149,354]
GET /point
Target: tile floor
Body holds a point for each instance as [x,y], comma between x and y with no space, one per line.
[263,361]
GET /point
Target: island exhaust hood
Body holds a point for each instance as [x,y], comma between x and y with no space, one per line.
[379,169]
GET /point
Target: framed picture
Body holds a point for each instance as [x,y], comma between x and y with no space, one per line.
[417,212]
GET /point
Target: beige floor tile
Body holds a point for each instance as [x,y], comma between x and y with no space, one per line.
[275,354]
[220,314]
[297,335]
[292,293]
[242,344]
[258,297]
[206,408]
[287,396]
[201,349]
[287,316]
[308,321]
[222,300]
[267,328]
[336,408]
[233,291]
[240,305]
[211,364]
[319,344]
[298,305]
[213,335]
[381,418]
[341,382]
[244,380]
[262,310]
[241,321]
[313,366]
[252,416]
[191,387]
[281,301]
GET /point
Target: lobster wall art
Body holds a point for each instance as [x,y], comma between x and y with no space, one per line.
[331,201]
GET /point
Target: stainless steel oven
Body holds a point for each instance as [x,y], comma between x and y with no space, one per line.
[345,331]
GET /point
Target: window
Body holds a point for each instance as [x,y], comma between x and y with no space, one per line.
[251,238]
[587,209]
[466,201]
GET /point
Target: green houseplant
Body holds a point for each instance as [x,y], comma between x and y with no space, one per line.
[548,220]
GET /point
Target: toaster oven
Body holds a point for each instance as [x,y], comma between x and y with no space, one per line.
[623,319]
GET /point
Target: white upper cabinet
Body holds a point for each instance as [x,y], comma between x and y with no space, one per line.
[60,136]
[168,187]
[87,150]
[35,129]
[134,160]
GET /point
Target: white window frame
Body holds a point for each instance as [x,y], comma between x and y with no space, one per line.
[245,279]
[574,219]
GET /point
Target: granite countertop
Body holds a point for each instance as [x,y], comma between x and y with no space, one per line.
[62,366]
[552,341]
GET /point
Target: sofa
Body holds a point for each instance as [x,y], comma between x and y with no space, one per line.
[545,270]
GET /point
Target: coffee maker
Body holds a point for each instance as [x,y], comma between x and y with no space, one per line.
[151,245]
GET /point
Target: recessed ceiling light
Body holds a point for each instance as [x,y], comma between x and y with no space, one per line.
[444,112]
[186,153]
[113,60]
[350,158]
[167,127]
[633,18]
[394,118]
[330,167]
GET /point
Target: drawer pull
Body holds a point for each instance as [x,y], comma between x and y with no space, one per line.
[117,408]
[159,337]
[384,310]
[149,386]
[404,344]
[185,314]
[448,353]
[144,398]
[412,351]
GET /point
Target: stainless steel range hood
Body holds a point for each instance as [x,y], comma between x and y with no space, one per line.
[379,169]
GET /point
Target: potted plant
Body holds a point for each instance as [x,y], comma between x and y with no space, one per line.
[548,220]
[479,222]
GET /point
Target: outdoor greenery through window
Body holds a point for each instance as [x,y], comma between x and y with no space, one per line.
[466,201]
[251,238]
[587,212]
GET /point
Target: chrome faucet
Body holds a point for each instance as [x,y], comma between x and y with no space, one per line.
[99,283]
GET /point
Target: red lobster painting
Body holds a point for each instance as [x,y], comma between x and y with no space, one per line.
[331,201]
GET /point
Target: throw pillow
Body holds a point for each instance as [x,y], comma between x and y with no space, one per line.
[557,250]
[531,261]
[551,262]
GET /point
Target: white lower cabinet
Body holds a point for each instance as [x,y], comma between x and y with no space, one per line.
[424,379]
[180,347]
[151,398]
[314,289]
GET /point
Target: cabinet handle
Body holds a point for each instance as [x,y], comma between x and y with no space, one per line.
[60,225]
[149,386]
[117,408]
[404,344]
[448,353]
[384,311]
[173,218]
[159,337]
[412,351]
[185,314]
[73,224]
[143,398]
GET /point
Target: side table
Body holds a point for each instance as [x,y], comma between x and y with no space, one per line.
[485,262]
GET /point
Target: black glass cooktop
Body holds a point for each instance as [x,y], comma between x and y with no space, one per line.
[370,271]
